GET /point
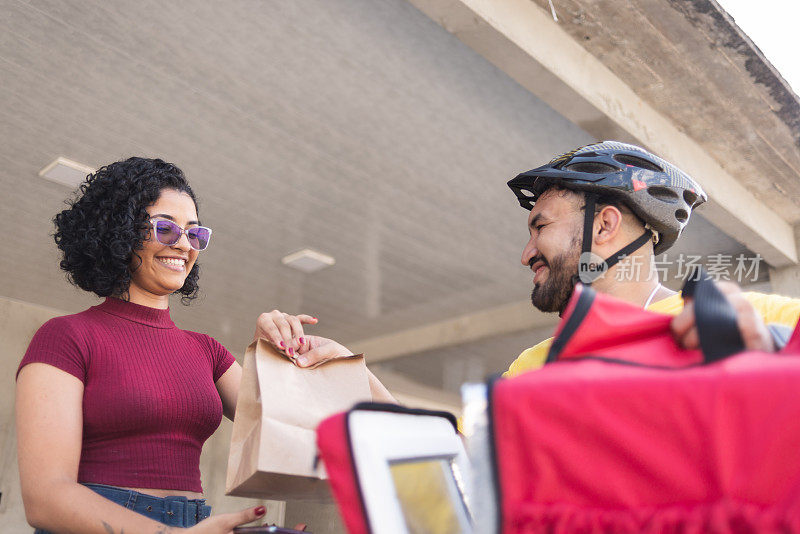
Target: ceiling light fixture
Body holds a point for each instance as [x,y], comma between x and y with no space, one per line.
[308,260]
[66,172]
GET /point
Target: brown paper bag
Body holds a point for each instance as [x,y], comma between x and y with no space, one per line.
[273,447]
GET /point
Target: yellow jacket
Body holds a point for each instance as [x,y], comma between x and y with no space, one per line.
[773,309]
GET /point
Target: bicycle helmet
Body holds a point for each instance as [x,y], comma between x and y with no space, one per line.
[659,193]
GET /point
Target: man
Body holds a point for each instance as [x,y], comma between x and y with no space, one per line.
[612,202]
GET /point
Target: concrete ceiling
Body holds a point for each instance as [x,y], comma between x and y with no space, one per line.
[357,128]
[360,128]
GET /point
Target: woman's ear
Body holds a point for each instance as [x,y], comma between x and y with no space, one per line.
[607,224]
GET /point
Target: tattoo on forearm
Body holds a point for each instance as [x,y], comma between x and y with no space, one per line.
[161,530]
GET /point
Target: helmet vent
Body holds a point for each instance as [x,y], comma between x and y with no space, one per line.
[663,194]
[591,167]
[637,162]
[681,215]
[689,197]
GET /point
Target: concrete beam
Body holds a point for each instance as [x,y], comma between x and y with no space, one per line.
[526,43]
[501,320]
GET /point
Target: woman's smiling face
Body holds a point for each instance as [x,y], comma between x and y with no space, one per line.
[160,270]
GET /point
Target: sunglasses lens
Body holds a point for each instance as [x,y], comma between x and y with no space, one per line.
[199,237]
[167,232]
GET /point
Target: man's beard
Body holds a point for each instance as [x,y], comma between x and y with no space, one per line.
[553,294]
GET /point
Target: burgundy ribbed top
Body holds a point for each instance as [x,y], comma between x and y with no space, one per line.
[149,400]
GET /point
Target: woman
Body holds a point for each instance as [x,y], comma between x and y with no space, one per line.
[114,403]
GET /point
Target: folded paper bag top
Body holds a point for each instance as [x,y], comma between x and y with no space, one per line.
[293,359]
[273,446]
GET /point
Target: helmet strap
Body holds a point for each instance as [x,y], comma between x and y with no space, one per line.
[588,222]
[586,246]
[629,249]
[588,230]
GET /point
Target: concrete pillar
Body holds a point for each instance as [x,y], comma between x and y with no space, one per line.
[786,281]
[18,322]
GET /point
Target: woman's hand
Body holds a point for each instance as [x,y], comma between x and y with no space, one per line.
[318,349]
[224,523]
[284,331]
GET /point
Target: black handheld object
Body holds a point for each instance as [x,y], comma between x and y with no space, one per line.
[714,316]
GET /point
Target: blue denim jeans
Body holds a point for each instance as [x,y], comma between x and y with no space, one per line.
[172,511]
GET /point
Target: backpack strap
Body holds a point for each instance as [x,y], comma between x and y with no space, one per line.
[714,316]
[576,316]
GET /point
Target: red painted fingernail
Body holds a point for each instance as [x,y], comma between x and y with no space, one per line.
[291,351]
[302,340]
[282,345]
[260,511]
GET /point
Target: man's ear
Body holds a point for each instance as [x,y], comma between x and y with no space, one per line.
[607,224]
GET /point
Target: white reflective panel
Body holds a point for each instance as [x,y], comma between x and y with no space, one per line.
[411,471]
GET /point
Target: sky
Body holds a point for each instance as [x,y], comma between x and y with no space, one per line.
[772,26]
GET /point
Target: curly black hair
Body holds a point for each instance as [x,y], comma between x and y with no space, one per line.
[108,221]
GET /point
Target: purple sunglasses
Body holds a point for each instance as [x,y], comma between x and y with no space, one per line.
[168,233]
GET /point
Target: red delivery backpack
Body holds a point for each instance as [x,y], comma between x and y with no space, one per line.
[396,470]
[624,431]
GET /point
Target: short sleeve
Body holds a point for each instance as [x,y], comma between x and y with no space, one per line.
[56,343]
[221,357]
[530,359]
[775,308]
